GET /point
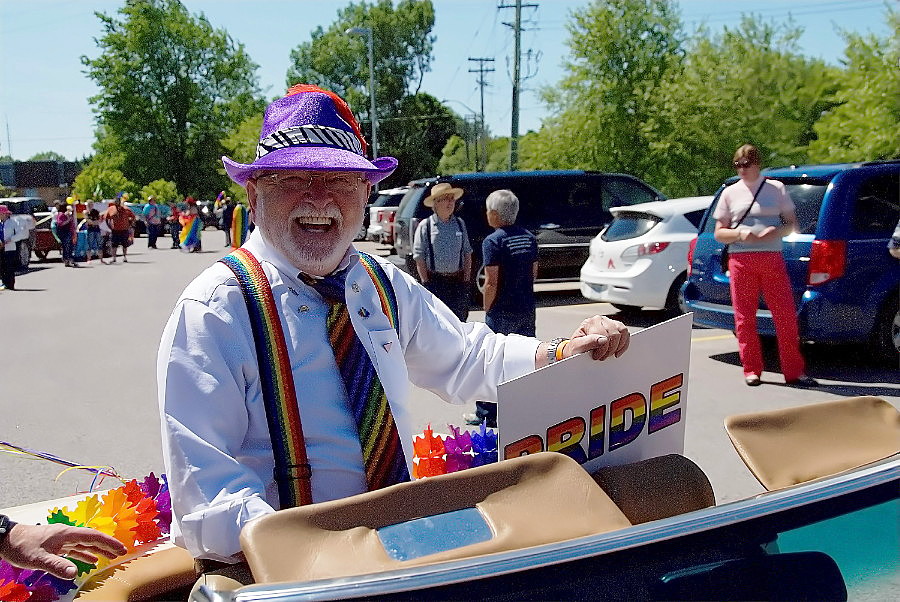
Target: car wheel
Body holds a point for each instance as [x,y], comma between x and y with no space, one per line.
[477,292]
[674,303]
[24,250]
[885,337]
[41,255]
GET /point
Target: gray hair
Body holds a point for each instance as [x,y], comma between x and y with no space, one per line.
[505,203]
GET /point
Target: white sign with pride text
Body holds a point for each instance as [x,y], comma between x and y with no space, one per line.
[605,413]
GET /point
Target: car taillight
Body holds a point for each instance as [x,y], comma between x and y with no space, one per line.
[691,255]
[826,261]
[651,248]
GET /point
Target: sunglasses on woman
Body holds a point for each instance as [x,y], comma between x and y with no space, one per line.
[743,163]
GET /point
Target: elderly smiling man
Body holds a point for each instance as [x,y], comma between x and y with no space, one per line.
[271,335]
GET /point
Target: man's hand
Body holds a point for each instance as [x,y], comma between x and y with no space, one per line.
[600,335]
[42,547]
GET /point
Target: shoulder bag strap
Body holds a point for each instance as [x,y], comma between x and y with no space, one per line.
[747,212]
[463,234]
[429,253]
[292,469]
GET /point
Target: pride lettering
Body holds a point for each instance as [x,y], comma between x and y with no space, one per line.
[623,419]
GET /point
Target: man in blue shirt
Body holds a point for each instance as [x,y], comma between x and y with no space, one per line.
[510,267]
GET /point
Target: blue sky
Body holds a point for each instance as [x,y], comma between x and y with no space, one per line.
[43,92]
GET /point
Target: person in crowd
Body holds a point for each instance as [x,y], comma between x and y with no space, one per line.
[307,189]
[174,224]
[94,235]
[9,259]
[227,215]
[120,220]
[153,219]
[44,547]
[190,238]
[752,217]
[510,267]
[442,250]
[65,230]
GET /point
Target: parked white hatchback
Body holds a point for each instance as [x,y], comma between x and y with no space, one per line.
[640,258]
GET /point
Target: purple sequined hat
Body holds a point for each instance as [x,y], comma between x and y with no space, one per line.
[314,129]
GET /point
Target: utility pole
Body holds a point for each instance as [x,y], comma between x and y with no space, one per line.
[482,138]
[517,60]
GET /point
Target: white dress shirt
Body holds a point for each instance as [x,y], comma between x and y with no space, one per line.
[216,445]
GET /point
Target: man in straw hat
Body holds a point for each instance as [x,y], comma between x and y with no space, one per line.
[443,252]
[298,330]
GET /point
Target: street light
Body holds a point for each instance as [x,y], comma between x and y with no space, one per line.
[367,31]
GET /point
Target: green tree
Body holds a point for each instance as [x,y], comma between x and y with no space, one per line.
[98,181]
[748,84]
[172,87]
[240,145]
[621,54]
[48,156]
[866,124]
[416,134]
[163,190]
[402,49]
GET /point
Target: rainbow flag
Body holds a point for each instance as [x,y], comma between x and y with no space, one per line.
[190,232]
[240,224]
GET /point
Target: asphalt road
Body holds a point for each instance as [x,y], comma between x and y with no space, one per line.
[78,372]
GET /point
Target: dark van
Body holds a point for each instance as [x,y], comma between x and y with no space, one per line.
[564,210]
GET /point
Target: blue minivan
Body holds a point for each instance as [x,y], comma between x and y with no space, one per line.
[846,284]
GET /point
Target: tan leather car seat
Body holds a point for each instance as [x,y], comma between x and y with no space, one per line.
[794,445]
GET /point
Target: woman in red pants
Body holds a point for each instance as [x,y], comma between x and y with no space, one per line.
[752,216]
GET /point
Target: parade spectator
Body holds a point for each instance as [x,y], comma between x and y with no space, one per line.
[65,230]
[174,224]
[153,219]
[227,215]
[443,252]
[510,267]
[94,236]
[9,259]
[307,192]
[752,216]
[120,220]
[190,239]
[46,547]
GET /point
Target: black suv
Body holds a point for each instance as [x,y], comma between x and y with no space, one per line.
[564,210]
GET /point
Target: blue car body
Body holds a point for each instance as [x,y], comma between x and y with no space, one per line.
[845,282]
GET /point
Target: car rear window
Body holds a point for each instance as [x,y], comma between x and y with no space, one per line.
[629,224]
[807,195]
[876,210]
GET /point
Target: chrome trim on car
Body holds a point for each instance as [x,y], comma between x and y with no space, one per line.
[721,307]
[422,577]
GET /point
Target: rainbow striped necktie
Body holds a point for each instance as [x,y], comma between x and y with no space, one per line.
[382,452]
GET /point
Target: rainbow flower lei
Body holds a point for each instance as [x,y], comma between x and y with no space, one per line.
[135,513]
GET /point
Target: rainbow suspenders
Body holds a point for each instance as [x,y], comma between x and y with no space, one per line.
[292,469]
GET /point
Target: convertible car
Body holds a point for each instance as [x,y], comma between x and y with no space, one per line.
[541,527]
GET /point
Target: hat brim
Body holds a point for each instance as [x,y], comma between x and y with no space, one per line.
[456,192]
[319,158]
